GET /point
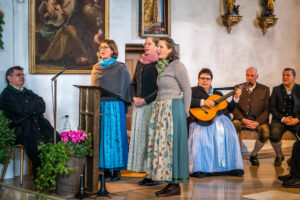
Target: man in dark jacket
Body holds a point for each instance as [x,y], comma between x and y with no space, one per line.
[252,112]
[25,109]
[285,109]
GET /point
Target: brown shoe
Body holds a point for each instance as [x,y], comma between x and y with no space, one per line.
[278,160]
[163,190]
[174,189]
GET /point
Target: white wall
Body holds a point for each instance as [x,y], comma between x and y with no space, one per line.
[196,26]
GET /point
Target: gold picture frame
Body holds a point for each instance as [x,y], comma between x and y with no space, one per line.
[66,35]
[155,18]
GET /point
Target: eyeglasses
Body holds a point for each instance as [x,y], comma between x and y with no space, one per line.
[18,74]
[103,47]
[204,79]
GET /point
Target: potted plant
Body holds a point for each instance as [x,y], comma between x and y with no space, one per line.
[7,139]
[60,162]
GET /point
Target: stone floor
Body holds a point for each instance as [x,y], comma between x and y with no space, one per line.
[256,180]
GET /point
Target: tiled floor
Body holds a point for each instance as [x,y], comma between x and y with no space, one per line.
[255,180]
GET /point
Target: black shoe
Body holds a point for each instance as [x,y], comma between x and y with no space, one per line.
[148,182]
[116,176]
[285,177]
[292,183]
[278,160]
[199,174]
[107,174]
[254,160]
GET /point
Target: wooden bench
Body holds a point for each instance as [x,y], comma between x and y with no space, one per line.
[253,135]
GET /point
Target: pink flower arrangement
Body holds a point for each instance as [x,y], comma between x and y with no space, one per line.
[74,136]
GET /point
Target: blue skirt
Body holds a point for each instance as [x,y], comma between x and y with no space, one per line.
[214,148]
[113,146]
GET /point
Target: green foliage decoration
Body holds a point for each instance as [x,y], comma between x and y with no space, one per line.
[7,139]
[53,160]
[55,156]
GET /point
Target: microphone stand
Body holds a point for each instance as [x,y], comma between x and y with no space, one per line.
[54,79]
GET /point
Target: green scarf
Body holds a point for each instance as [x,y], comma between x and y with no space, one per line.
[161,64]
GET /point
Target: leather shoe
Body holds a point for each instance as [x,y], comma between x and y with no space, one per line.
[173,189]
[292,183]
[285,177]
[254,161]
[163,190]
[278,160]
[148,182]
[116,176]
[107,174]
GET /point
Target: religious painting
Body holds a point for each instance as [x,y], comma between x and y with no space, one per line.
[155,18]
[65,34]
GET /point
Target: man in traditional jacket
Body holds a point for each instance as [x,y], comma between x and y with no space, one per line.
[252,111]
[25,109]
[285,109]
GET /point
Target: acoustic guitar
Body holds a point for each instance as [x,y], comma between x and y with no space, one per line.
[207,114]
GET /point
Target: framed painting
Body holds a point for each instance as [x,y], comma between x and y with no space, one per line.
[65,34]
[155,18]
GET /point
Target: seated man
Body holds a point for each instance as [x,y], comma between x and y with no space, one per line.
[25,109]
[213,147]
[252,111]
[285,109]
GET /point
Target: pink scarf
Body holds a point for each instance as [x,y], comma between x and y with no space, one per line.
[149,58]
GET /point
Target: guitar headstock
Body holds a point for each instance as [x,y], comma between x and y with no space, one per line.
[244,85]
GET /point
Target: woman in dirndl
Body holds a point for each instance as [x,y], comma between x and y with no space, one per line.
[143,91]
[112,76]
[167,155]
[214,147]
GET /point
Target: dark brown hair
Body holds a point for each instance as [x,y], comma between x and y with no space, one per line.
[10,71]
[290,69]
[170,45]
[205,71]
[112,45]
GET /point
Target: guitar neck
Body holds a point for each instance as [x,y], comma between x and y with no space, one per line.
[225,97]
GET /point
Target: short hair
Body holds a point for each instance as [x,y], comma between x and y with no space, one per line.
[170,45]
[113,46]
[10,72]
[154,39]
[205,71]
[290,69]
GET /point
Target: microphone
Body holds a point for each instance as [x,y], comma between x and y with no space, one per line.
[62,71]
[250,83]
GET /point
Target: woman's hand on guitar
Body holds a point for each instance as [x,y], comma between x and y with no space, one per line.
[209,103]
[238,93]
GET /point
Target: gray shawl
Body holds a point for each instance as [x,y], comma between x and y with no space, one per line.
[114,78]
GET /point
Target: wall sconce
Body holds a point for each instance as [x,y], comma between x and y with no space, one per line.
[267,18]
[231,16]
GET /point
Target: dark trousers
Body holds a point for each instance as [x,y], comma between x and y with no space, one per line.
[295,160]
[277,129]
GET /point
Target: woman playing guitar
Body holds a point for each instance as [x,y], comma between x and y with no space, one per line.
[213,147]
